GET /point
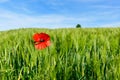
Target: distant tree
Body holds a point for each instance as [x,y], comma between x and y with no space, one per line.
[78,26]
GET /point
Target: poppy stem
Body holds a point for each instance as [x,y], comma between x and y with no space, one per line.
[49,57]
[48,50]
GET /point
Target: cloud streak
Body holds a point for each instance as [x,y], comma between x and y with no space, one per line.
[106,6]
[12,20]
[2,1]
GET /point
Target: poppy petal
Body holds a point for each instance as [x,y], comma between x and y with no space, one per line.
[41,40]
[48,43]
[40,46]
[44,36]
[36,37]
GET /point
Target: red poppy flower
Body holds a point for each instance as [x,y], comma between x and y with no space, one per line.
[41,40]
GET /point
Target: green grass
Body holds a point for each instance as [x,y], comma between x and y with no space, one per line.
[75,54]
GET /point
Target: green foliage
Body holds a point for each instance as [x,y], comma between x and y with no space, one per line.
[78,26]
[75,54]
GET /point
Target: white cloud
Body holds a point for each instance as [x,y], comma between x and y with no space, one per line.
[113,24]
[106,6]
[11,20]
[2,1]
[86,0]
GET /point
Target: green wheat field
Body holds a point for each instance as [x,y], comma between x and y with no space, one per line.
[75,54]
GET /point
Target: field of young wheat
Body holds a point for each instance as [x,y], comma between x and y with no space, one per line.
[74,54]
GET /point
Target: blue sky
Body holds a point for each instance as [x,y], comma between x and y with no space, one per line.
[58,13]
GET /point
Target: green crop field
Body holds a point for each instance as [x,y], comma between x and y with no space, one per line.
[75,54]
